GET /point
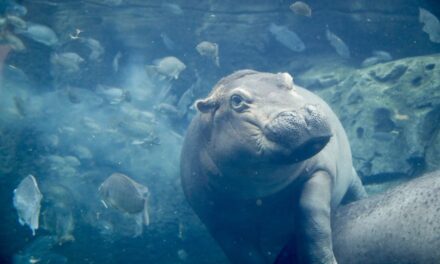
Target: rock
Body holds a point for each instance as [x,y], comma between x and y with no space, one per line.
[327,81]
[384,74]
[391,116]
[321,73]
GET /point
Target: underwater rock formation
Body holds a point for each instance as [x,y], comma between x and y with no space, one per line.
[391,113]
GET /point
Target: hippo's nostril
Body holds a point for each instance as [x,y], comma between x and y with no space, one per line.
[285,127]
[288,117]
[283,114]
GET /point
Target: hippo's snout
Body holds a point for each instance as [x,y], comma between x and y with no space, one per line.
[285,127]
[303,133]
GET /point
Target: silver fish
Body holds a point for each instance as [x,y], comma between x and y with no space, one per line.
[82,152]
[135,128]
[96,49]
[287,38]
[39,33]
[301,8]
[370,62]
[379,56]
[210,50]
[13,41]
[147,142]
[169,67]
[124,194]
[16,21]
[27,201]
[67,61]
[113,95]
[169,110]
[431,25]
[338,44]
[382,55]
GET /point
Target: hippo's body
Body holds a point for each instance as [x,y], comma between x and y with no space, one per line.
[401,226]
[265,161]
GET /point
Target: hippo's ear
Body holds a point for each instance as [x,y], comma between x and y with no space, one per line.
[287,79]
[206,105]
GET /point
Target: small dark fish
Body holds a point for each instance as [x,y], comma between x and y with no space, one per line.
[124,194]
[301,8]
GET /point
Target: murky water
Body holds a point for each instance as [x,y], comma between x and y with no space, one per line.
[96,87]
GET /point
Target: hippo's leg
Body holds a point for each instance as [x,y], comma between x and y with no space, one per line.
[315,235]
[356,190]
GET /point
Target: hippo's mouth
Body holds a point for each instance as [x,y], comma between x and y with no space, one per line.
[297,136]
[308,149]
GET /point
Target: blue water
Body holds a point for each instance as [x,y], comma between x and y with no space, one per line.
[97,100]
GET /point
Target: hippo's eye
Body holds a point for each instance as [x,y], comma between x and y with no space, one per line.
[237,102]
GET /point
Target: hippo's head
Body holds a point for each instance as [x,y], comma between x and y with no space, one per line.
[256,119]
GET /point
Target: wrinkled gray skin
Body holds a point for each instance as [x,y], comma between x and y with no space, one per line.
[401,226]
[264,161]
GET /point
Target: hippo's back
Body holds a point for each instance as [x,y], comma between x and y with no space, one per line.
[400,226]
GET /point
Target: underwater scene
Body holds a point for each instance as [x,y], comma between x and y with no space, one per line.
[252,131]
